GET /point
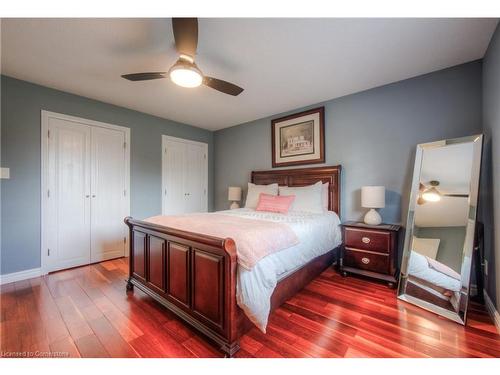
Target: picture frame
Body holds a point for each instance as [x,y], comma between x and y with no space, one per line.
[298,139]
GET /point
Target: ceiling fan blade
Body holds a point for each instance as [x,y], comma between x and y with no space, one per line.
[456,195]
[144,76]
[222,86]
[186,35]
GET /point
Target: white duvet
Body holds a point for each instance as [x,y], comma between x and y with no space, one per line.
[317,233]
[419,267]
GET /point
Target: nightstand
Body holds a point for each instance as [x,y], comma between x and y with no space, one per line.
[370,250]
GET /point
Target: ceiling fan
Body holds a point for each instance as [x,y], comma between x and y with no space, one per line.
[432,194]
[185,72]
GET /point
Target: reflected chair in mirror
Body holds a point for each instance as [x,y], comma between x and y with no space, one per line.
[441,227]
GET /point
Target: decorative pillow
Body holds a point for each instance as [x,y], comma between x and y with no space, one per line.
[426,246]
[443,268]
[324,195]
[307,198]
[274,203]
[254,191]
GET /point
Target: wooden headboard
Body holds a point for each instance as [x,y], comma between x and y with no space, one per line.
[303,177]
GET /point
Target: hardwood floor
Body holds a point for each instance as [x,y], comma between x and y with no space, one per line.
[85,312]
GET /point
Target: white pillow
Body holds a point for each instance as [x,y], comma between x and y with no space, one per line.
[324,195]
[426,246]
[307,198]
[254,191]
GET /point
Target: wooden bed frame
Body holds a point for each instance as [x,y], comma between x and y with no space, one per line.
[194,275]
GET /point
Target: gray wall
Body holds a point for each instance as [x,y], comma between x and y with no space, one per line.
[373,135]
[20,136]
[451,245]
[490,214]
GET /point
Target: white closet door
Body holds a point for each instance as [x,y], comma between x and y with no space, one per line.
[184,176]
[108,194]
[195,178]
[68,195]
[173,174]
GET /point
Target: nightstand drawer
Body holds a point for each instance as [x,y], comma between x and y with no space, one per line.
[367,239]
[366,260]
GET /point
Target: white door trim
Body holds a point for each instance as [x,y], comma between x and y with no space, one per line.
[44,139]
[164,139]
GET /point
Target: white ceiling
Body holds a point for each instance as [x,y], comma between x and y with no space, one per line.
[283,64]
[451,165]
[448,212]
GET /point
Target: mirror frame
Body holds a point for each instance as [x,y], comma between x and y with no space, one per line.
[461,315]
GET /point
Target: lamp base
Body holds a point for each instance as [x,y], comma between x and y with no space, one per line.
[372,217]
[234,206]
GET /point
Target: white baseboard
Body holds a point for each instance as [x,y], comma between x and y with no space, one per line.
[492,310]
[21,275]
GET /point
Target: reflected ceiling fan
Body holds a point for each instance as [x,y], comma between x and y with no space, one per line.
[185,72]
[432,194]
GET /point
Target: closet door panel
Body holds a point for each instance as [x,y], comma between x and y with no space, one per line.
[195,178]
[174,169]
[68,204]
[108,194]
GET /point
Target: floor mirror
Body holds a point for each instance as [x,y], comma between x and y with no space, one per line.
[439,238]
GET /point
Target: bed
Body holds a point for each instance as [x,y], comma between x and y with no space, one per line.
[434,282]
[197,277]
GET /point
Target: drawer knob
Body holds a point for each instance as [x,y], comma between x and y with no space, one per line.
[365,240]
[365,260]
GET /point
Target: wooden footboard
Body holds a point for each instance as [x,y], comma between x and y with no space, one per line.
[193,275]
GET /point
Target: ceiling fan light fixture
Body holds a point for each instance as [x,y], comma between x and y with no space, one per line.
[431,195]
[185,74]
[188,58]
[420,200]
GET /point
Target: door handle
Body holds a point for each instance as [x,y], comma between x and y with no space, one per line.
[87,196]
[93,195]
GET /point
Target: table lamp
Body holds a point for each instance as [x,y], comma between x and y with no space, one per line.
[373,197]
[234,195]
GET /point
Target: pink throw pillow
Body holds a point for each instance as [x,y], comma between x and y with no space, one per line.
[274,203]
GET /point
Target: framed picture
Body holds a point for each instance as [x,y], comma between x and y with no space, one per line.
[299,138]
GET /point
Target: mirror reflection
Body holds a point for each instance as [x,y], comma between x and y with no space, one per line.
[438,246]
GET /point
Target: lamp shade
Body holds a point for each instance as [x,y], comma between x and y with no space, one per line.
[234,194]
[373,196]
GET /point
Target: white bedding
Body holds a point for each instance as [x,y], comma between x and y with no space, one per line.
[419,267]
[317,233]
